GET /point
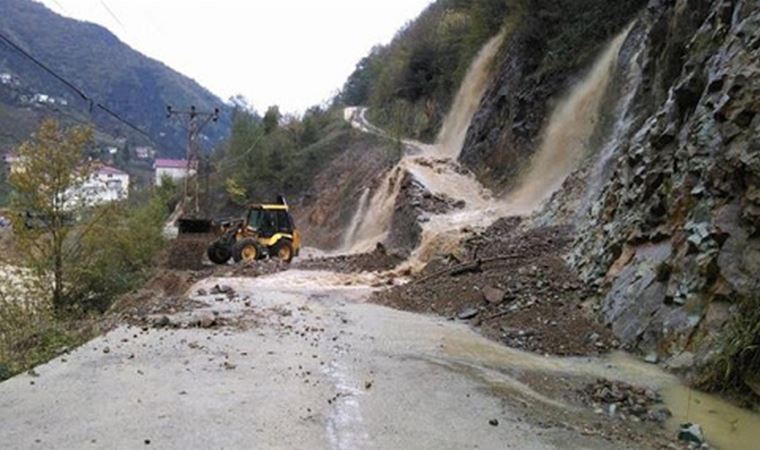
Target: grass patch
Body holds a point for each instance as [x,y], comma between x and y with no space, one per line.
[31,335]
[739,360]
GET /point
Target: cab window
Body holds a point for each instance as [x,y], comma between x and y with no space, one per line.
[284,223]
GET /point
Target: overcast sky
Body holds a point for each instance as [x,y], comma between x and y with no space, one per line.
[294,53]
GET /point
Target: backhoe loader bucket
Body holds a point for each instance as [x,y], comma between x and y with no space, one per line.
[195,226]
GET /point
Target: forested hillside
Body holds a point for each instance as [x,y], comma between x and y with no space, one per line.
[132,85]
[410,83]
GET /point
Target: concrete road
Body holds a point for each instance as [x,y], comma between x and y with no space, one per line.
[302,363]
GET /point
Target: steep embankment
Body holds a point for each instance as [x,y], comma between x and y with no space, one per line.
[665,196]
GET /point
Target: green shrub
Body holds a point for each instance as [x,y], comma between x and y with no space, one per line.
[30,334]
[740,355]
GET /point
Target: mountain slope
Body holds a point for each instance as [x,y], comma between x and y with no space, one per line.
[134,86]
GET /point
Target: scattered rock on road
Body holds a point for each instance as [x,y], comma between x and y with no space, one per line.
[619,398]
[493,295]
[467,313]
[691,432]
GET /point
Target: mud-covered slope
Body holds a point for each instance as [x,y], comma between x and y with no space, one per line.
[325,212]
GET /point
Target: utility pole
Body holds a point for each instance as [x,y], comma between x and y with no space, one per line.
[195,121]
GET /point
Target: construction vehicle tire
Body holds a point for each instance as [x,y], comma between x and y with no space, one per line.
[283,250]
[247,250]
[218,253]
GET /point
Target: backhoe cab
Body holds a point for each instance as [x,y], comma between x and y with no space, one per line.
[266,230]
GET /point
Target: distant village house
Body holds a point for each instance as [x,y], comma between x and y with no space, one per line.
[10,162]
[145,152]
[176,169]
[106,184]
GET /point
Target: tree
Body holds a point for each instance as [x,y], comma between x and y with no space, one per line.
[45,205]
[272,119]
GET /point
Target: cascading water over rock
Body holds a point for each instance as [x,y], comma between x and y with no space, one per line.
[564,143]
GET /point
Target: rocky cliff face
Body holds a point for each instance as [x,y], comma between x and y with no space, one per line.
[667,201]
[673,237]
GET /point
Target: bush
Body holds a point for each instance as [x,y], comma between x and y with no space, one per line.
[121,250]
[740,356]
[30,334]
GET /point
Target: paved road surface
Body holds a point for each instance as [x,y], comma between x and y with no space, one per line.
[305,365]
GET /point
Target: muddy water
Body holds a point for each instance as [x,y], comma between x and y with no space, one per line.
[372,227]
[350,234]
[565,143]
[566,139]
[431,165]
[454,129]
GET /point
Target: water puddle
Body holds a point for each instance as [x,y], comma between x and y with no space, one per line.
[725,425]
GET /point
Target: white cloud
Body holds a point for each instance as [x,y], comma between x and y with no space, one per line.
[294,53]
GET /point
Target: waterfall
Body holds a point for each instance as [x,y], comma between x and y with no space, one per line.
[361,211]
[564,143]
[373,224]
[566,139]
[454,129]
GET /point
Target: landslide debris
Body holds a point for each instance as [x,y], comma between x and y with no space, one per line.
[377,260]
[622,400]
[188,252]
[514,286]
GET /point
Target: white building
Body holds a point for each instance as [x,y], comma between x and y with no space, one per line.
[43,98]
[145,152]
[11,161]
[176,169]
[106,184]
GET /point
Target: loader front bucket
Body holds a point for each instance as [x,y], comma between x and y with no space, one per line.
[195,226]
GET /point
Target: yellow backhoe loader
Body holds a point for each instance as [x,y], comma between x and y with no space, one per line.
[267,230]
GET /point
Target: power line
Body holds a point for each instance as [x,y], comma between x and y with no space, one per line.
[43,66]
[92,102]
[112,14]
[60,6]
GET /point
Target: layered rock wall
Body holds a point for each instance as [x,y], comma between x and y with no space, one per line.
[673,239]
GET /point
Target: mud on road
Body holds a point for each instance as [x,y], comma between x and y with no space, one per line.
[270,356]
[514,287]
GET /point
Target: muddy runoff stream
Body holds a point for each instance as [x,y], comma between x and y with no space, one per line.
[564,144]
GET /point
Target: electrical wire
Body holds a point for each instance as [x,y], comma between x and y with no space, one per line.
[60,6]
[112,14]
[92,102]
